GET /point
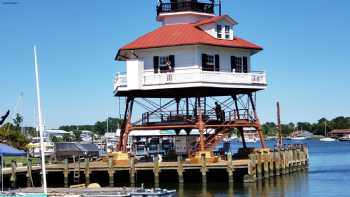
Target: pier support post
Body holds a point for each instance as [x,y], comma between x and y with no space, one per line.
[299,157]
[29,173]
[283,160]
[132,170]
[13,173]
[306,152]
[66,173]
[111,172]
[180,170]
[204,168]
[286,152]
[252,168]
[297,161]
[230,167]
[293,155]
[291,159]
[87,172]
[259,165]
[303,157]
[156,171]
[271,163]
[266,163]
[277,162]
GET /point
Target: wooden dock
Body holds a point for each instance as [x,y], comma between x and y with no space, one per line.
[261,163]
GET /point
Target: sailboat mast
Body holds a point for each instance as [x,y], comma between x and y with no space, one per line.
[41,125]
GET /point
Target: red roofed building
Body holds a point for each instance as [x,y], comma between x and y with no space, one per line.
[193,55]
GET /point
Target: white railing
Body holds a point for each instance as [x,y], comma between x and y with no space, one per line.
[205,77]
[196,76]
[119,81]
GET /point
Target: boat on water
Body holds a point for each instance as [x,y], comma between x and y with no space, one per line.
[298,138]
[250,135]
[326,138]
[35,148]
[11,194]
[345,138]
[299,135]
[153,192]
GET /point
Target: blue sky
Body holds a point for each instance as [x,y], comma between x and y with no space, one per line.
[306,51]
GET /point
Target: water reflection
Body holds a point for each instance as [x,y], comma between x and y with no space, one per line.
[289,185]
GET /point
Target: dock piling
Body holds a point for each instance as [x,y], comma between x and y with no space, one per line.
[66,173]
[204,168]
[111,172]
[259,165]
[87,172]
[29,173]
[271,163]
[252,169]
[265,159]
[230,167]
[132,170]
[13,173]
[277,158]
[180,170]
[156,171]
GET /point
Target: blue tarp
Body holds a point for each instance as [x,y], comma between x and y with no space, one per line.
[6,150]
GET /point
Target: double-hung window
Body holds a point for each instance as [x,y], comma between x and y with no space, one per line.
[239,64]
[219,31]
[227,32]
[164,64]
[210,62]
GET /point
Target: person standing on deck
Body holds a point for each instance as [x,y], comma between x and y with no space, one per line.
[218,111]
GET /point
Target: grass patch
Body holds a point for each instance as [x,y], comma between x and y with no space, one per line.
[23,160]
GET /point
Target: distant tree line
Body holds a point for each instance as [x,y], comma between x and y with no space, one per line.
[11,134]
[317,128]
[100,127]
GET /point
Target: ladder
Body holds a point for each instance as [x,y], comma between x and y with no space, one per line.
[76,172]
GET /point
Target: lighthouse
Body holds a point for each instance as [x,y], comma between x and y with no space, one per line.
[193,73]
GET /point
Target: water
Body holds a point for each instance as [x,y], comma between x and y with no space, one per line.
[328,175]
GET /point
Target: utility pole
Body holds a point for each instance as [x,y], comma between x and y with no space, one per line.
[279,129]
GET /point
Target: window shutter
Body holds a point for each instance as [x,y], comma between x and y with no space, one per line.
[245,64]
[204,61]
[156,64]
[217,63]
[172,62]
[233,63]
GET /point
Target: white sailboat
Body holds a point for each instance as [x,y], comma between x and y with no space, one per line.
[325,138]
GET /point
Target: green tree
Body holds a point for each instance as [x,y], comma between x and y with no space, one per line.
[17,121]
[13,137]
[77,134]
[67,137]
